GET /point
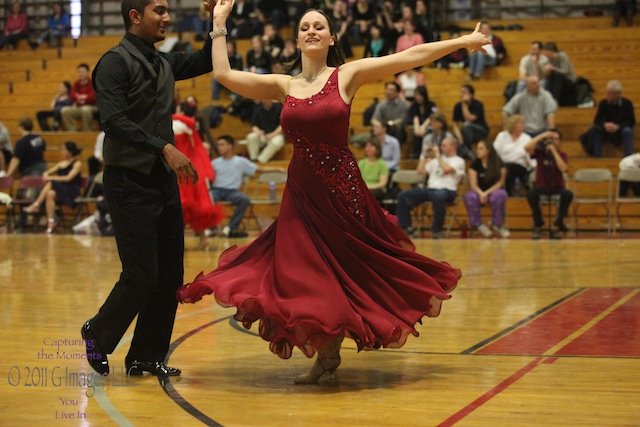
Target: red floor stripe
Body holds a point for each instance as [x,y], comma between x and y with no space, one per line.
[618,334]
[546,331]
[489,395]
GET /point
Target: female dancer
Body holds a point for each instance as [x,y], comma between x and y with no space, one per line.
[337,267]
[62,184]
[197,208]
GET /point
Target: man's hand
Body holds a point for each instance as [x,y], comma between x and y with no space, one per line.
[181,165]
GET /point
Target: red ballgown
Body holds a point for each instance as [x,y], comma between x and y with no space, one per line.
[197,209]
[333,263]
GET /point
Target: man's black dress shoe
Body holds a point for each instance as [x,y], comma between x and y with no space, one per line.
[159,369]
[95,356]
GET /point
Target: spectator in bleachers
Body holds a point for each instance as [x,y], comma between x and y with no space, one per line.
[419,116]
[393,111]
[84,105]
[486,181]
[376,45]
[62,99]
[390,146]
[7,149]
[510,146]
[242,23]
[494,54]
[438,133]
[560,80]
[342,21]
[266,137]
[409,81]
[28,156]
[629,162]
[626,9]
[456,59]
[258,59]
[272,41]
[551,167]
[96,161]
[409,36]
[289,53]
[445,172]
[532,64]
[469,124]
[363,15]
[374,170]
[425,22]
[201,23]
[58,25]
[387,17]
[62,184]
[614,122]
[236,63]
[272,11]
[536,105]
[16,28]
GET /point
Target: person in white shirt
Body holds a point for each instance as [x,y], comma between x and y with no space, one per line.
[627,163]
[445,172]
[509,145]
[494,53]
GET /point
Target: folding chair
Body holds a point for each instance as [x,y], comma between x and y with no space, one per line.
[87,198]
[28,189]
[630,176]
[592,187]
[403,179]
[452,208]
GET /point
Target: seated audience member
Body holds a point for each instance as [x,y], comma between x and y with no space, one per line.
[551,167]
[532,64]
[486,181]
[58,24]
[376,45]
[341,22]
[242,23]
[393,111]
[445,172]
[16,27]
[469,124]
[258,59]
[536,105]
[409,81]
[419,116]
[96,163]
[272,11]
[83,99]
[387,17]
[28,156]
[510,146]
[425,21]
[613,122]
[390,146]
[456,59]
[272,41]
[439,131]
[201,23]
[560,80]
[363,14]
[230,171]
[630,162]
[409,36]
[626,9]
[62,184]
[235,61]
[374,170]
[266,137]
[289,53]
[7,149]
[62,99]
[493,54]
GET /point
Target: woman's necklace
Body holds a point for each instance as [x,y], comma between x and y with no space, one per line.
[313,78]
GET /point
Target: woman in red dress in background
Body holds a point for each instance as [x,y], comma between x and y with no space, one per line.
[198,210]
[332,265]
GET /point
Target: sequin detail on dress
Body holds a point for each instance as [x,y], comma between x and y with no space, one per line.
[306,102]
[338,170]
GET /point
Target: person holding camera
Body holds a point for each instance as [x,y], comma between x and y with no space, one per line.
[551,167]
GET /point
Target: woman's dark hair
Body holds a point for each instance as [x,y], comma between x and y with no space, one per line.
[189,109]
[442,119]
[551,46]
[492,172]
[67,85]
[374,142]
[422,90]
[335,57]
[73,148]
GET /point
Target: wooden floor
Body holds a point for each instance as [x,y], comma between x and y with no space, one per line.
[538,333]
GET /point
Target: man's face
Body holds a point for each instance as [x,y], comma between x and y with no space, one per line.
[448,147]
[533,85]
[534,50]
[377,129]
[154,22]
[223,147]
[611,95]
[83,74]
[391,92]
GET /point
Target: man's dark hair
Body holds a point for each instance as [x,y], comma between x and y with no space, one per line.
[558,132]
[85,66]
[26,123]
[394,84]
[470,88]
[127,5]
[228,138]
[551,46]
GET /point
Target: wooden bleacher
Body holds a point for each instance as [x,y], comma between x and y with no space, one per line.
[28,82]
